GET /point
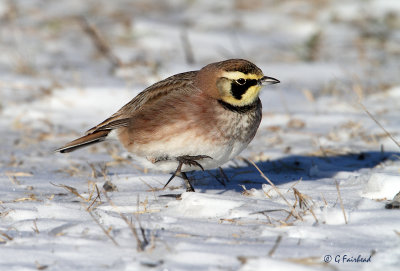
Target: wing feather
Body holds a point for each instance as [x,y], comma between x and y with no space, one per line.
[182,82]
[172,85]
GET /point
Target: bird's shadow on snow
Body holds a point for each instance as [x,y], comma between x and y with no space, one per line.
[290,168]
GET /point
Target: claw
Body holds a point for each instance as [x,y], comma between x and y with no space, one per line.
[187,160]
[191,160]
[170,179]
[195,163]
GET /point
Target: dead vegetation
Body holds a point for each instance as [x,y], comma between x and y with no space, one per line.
[99,41]
[302,206]
[94,199]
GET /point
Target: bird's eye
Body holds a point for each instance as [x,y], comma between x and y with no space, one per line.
[241,81]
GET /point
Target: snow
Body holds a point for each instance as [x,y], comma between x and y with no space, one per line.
[334,169]
[202,205]
[382,186]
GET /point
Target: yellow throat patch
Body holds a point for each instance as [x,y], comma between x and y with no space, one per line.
[249,95]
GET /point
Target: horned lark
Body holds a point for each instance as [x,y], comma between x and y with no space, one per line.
[197,119]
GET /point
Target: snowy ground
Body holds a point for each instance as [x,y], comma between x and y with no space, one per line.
[334,168]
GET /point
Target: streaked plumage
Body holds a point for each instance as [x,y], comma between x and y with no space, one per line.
[213,113]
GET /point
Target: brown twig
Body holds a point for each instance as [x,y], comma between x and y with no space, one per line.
[102,227]
[6,235]
[304,202]
[35,227]
[140,244]
[187,48]
[74,191]
[323,198]
[276,189]
[277,242]
[380,125]
[101,45]
[70,189]
[341,202]
[95,199]
[94,171]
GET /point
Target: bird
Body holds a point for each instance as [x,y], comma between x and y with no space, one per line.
[192,120]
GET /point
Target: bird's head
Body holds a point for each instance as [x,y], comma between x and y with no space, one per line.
[236,81]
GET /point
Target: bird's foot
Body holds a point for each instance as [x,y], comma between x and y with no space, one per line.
[192,160]
[187,160]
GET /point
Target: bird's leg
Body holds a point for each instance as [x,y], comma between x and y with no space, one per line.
[177,172]
[189,187]
[187,160]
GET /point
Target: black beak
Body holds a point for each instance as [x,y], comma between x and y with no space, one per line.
[268,81]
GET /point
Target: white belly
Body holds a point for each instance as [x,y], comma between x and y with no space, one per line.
[220,154]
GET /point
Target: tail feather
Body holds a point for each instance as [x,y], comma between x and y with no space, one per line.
[84,141]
